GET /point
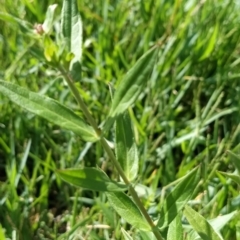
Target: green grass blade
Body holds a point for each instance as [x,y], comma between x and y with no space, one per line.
[131,85]
[211,43]
[200,225]
[90,178]
[234,177]
[72,29]
[177,199]
[175,230]
[127,209]
[23,163]
[126,149]
[49,109]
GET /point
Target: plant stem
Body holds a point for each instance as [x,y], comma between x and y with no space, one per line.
[80,102]
[110,153]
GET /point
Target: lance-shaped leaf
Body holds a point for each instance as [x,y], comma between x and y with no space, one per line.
[48,22]
[131,86]
[91,178]
[126,149]
[127,209]
[177,199]
[217,223]
[175,230]
[201,225]
[49,109]
[72,31]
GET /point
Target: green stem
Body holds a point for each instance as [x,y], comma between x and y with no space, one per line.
[110,153]
[80,102]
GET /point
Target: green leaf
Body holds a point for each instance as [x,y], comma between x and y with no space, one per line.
[235,159]
[220,221]
[131,86]
[49,109]
[211,43]
[175,230]
[127,209]
[233,176]
[217,223]
[90,178]
[72,29]
[126,149]
[2,235]
[48,23]
[177,199]
[200,225]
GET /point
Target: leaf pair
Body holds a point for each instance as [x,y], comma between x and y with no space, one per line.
[96,180]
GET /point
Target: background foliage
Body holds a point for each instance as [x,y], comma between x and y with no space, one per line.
[186,116]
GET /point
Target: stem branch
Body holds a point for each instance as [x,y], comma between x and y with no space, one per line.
[110,153]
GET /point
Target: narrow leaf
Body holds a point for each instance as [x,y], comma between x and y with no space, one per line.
[2,235]
[127,209]
[72,29]
[217,223]
[177,199]
[126,149]
[49,109]
[47,25]
[90,178]
[22,164]
[211,43]
[200,225]
[233,176]
[131,86]
[175,230]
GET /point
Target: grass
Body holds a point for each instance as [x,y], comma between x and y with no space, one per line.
[188,115]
